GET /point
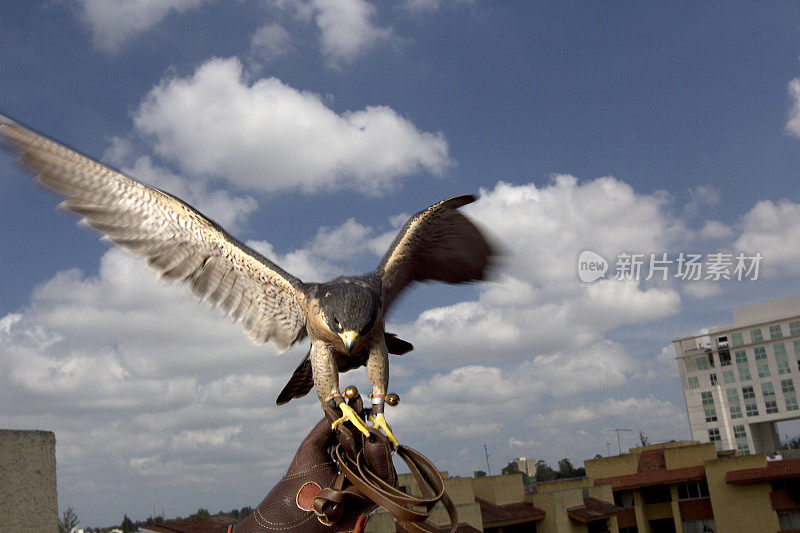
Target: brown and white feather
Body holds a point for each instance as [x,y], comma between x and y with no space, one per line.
[438,243]
[177,240]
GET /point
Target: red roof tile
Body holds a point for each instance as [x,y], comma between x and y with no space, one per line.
[654,477]
[787,468]
[510,513]
[593,509]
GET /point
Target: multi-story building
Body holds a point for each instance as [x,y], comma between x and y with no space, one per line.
[740,380]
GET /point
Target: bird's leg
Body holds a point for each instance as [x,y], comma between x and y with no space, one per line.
[326,383]
[378,375]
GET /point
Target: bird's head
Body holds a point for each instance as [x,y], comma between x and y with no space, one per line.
[351,308]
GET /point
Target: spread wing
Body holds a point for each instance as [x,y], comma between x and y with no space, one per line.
[177,240]
[438,243]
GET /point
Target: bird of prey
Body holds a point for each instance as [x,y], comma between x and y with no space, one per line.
[344,317]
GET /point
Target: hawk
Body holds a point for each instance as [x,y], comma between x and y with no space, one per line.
[344,317]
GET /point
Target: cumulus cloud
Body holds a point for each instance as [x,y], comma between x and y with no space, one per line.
[266,136]
[702,196]
[793,125]
[773,230]
[347,29]
[538,301]
[270,42]
[114,23]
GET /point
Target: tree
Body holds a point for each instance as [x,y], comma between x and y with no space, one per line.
[479,473]
[565,468]
[544,472]
[68,521]
[511,468]
[127,526]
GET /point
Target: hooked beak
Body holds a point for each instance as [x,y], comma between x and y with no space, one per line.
[349,338]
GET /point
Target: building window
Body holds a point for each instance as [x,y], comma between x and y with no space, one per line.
[791,403]
[704,525]
[768,392]
[789,520]
[702,363]
[693,382]
[741,365]
[775,331]
[750,406]
[740,434]
[781,359]
[743,448]
[713,436]
[794,327]
[796,345]
[728,377]
[733,403]
[708,406]
[696,489]
[623,499]
[736,338]
[713,378]
[789,394]
[656,494]
[755,335]
[761,361]
[724,357]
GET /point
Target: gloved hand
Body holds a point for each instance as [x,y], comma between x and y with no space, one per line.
[290,505]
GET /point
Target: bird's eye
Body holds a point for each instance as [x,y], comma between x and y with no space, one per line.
[337,325]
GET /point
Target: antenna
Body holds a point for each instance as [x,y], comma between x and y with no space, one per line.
[488,468]
[619,444]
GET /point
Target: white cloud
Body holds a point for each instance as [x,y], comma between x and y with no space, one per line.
[347,29]
[702,196]
[270,42]
[114,22]
[424,7]
[772,229]
[701,289]
[714,229]
[267,136]
[793,125]
[538,305]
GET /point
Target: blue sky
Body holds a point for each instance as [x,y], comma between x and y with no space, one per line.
[310,129]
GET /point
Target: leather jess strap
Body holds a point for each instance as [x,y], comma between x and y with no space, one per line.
[396,502]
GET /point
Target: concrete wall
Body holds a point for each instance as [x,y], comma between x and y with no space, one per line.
[28,495]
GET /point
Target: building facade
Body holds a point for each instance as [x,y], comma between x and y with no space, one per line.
[28,493]
[690,487]
[740,380]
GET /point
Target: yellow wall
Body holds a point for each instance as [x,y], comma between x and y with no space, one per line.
[555,504]
[500,489]
[740,507]
[692,455]
[620,465]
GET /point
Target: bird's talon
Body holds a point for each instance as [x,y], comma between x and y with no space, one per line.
[379,422]
[348,414]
